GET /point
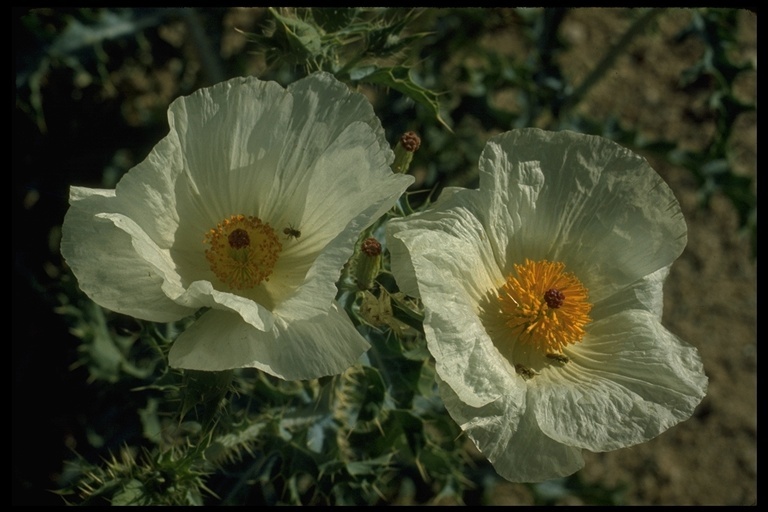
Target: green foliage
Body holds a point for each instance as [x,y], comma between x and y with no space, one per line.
[156,478]
[110,346]
[356,45]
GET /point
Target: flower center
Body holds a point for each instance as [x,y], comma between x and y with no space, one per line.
[544,306]
[243,251]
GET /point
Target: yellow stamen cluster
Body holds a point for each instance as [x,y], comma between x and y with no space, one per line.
[545,307]
[243,251]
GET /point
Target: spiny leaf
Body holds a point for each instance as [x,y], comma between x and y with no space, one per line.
[302,37]
[399,78]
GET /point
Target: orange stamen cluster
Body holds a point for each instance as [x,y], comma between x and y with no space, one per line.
[544,306]
[243,251]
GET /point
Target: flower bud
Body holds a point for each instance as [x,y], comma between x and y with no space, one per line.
[407,145]
[368,263]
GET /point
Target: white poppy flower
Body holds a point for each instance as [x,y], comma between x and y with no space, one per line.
[250,207]
[542,294]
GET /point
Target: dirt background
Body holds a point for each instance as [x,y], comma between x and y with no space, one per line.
[710,296]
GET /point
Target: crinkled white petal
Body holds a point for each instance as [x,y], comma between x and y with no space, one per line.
[628,381]
[202,294]
[453,269]
[116,263]
[645,294]
[340,206]
[506,432]
[582,200]
[198,294]
[307,349]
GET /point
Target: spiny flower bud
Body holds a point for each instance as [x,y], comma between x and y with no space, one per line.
[407,145]
[368,263]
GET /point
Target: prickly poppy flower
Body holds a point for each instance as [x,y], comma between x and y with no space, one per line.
[248,208]
[542,293]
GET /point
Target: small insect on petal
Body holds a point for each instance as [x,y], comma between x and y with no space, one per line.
[291,232]
[560,358]
[525,372]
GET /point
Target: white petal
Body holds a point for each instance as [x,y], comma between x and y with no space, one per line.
[507,433]
[147,193]
[452,236]
[230,136]
[627,382]
[339,206]
[252,147]
[582,200]
[644,294]
[116,263]
[456,271]
[309,349]
[202,294]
